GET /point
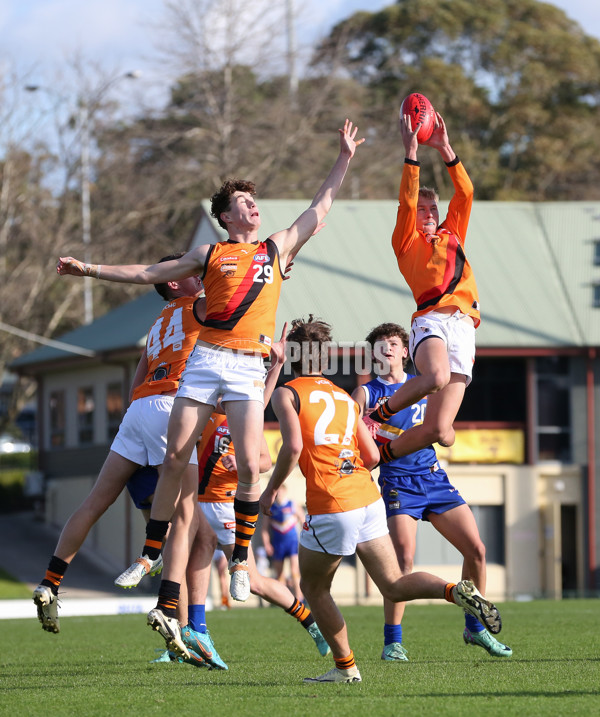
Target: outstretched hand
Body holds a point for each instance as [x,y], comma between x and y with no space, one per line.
[68,265]
[348,143]
[409,136]
[439,136]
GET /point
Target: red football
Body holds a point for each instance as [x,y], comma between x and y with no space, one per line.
[420,110]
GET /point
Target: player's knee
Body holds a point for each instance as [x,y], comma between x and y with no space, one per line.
[437,379]
[477,553]
[173,466]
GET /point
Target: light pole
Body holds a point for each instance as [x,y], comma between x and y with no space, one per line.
[83,120]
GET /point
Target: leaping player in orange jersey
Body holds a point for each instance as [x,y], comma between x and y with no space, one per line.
[432,260]
[321,430]
[242,279]
[141,439]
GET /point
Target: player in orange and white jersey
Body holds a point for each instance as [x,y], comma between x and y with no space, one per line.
[432,260]
[322,431]
[242,278]
[217,483]
[141,439]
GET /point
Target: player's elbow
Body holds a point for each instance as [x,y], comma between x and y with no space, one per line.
[370,457]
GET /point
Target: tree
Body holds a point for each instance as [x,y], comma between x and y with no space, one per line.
[517,81]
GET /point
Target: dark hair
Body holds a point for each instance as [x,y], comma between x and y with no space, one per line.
[164,289]
[221,201]
[310,335]
[387,331]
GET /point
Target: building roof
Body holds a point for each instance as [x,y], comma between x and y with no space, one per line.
[534,265]
[122,329]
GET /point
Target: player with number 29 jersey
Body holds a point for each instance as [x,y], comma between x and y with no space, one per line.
[243,283]
[336,478]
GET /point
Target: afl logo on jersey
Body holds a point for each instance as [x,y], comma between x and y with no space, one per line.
[261,257]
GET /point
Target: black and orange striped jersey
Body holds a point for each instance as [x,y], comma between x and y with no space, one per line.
[435,267]
[336,478]
[242,283]
[170,340]
[215,483]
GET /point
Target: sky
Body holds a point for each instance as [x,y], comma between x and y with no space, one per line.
[121,32]
[36,36]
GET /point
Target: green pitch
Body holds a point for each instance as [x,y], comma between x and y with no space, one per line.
[101,666]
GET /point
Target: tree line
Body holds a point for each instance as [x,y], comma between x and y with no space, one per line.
[517,82]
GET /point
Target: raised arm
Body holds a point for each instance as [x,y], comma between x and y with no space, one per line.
[459,208]
[405,229]
[289,241]
[188,265]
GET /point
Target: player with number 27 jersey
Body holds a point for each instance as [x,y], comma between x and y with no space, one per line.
[336,478]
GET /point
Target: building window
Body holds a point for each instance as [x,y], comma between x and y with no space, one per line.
[114,408]
[57,419]
[553,409]
[596,252]
[85,415]
[433,549]
[498,393]
[596,296]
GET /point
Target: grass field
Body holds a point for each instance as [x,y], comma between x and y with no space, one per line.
[12,588]
[101,666]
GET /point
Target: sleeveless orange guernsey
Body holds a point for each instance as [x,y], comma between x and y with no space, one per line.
[436,268]
[215,483]
[242,284]
[336,478]
[170,340]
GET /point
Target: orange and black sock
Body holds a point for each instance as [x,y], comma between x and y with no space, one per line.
[168,597]
[345,663]
[301,613]
[155,534]
[448,592]
[55,573]
[246,515]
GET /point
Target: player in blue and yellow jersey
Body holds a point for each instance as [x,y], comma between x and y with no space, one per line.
[242,278]
[415,487]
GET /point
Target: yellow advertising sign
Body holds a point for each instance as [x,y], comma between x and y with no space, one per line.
[499,445]
[485,445]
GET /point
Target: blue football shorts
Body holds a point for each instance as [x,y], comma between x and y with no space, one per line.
[418,495]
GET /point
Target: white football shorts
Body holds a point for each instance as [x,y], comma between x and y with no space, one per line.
[211,374]
[340,533]
[142,435]
[457,334]
[221,518]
